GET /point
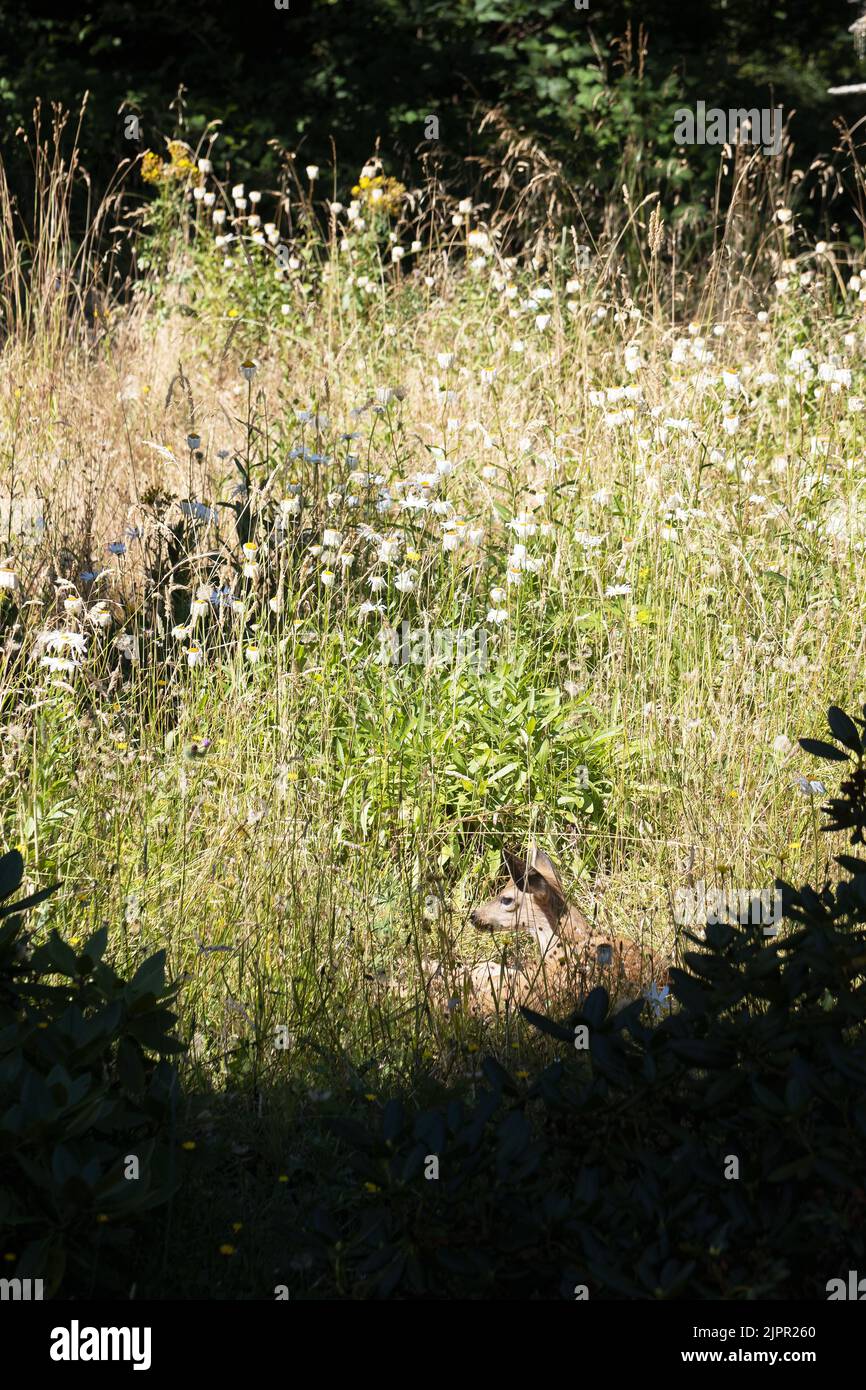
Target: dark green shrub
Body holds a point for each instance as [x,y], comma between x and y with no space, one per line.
[85,1087]
[589,85]
[716,1154]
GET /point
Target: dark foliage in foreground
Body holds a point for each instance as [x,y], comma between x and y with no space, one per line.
[81,1094]
[614,1169]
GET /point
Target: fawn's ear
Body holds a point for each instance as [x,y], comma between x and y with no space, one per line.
[518,865]
[544,866]
[533,872]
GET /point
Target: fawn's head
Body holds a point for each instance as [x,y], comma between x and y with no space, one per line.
[533,899]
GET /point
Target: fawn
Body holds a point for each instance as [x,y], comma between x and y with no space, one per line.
[571,958]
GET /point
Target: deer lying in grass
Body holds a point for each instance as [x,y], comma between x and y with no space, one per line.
[568,958]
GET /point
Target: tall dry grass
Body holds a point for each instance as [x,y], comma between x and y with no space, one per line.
[299,828]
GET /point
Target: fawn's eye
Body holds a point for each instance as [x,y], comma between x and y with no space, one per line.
[506,901]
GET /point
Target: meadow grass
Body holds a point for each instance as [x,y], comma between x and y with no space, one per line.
[648,495]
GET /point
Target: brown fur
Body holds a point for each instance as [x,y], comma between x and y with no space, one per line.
[566,957]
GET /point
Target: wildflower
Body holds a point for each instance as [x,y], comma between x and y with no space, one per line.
[367,608]
[151,167]
[309,417]
[312,172]
[100,615]
[127,646]
[809,788]
[332,539]
[205,166]
[327,577]
[252,654]
[497,616]
[59,663]
[497,594]
[783,215]
[377,583]
[541,321]
[523,526]
[657,998]
[194,656]
[248,369]
[445,360]
[405,582]
[198,608]
[193,442]
[397,253]
[181,632]
[519,563]
[782,745]
[8,578]
[617,590]
[632,358]
[73,605]
[116,548]
[389,551]
[197,511]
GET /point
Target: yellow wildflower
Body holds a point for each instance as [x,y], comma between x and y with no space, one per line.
[151,167]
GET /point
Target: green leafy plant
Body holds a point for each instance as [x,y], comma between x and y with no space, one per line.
[87,1097]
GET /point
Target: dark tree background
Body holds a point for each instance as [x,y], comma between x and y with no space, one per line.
[356,70]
